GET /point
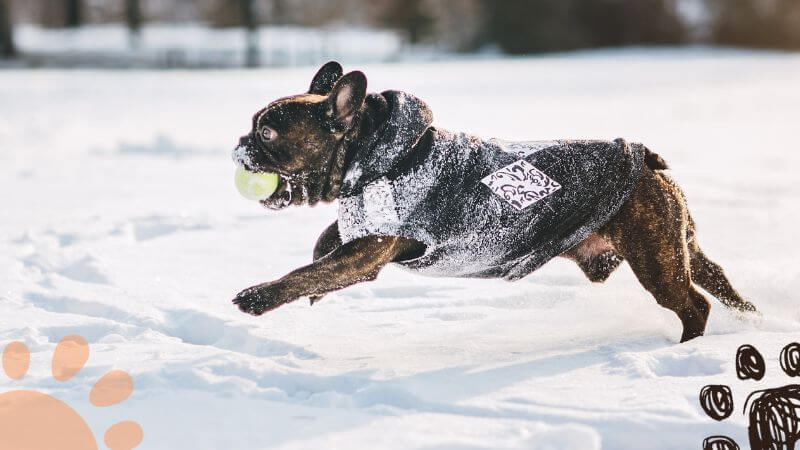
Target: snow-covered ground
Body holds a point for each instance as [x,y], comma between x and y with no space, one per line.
[119,222]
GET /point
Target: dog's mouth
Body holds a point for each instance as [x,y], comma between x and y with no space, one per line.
[291,188]
[289,192]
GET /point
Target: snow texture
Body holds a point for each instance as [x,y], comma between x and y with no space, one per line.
[481,211]
[198,45]
[119,222]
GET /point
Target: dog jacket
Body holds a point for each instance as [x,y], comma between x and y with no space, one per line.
[484,208]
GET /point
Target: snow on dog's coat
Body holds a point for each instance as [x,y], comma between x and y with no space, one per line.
[484,208]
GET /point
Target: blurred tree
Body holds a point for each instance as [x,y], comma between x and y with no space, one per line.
[280,12]
[133,18]
[456,25]
[756,23]
[787,14]
[412,17]
[626,22]
[447,24]
[61,13]
[736,22]
[316,13]
[249,20]
[224,13]
[7,48]
[527,26]
[73,17]
[240,13]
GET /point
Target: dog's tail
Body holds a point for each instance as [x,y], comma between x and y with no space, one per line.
[654,160]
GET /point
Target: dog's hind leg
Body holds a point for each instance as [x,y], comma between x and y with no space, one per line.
[650,233]
[709,275]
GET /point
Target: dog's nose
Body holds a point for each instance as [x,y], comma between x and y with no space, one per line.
[240,154]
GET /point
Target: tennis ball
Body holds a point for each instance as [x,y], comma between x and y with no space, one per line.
[255,186]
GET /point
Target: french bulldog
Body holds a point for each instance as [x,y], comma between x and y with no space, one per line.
[451,204]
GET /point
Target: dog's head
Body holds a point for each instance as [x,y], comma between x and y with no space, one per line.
[303,138]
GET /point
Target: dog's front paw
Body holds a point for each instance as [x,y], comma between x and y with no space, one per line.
[259,299]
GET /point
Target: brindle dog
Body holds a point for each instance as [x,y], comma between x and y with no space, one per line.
[307,139]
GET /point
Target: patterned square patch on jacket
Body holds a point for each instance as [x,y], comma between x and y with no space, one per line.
[521,184]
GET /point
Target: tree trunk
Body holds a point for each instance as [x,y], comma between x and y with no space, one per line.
[279,12]
[250,23]
[133,18]
[73,14]
[7,49]
[411,17]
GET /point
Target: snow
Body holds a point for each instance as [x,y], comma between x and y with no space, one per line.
[121,223]
[198,45]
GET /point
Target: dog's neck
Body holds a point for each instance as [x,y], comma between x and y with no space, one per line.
[373,115]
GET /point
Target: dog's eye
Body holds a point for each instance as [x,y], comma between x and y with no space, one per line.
[268,134]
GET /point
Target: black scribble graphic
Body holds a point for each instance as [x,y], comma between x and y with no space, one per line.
[773,414]
[717,401]
[749,363]
[790,359]
[719,443]
[775,418]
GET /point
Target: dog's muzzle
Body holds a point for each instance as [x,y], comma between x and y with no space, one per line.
[243,156]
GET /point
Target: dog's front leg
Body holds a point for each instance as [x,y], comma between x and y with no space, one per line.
[357,261]
[328,241]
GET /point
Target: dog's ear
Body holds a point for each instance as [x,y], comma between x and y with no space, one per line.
[347,96]
[325,78]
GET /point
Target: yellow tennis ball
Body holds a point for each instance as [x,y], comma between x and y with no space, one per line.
[255,186]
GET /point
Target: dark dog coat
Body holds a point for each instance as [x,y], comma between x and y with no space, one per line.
[483,208]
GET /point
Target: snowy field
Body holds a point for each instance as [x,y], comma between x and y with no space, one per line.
[120,223]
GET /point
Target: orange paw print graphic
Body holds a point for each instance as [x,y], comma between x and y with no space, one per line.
[35,421]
